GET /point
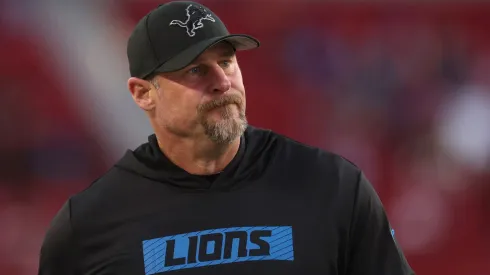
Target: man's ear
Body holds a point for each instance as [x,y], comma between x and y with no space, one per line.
[140,91]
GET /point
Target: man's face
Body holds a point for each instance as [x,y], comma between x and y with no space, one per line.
[207,97]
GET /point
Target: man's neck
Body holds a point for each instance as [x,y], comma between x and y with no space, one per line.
[198,157]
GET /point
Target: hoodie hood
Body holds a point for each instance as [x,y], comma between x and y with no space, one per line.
[257,147]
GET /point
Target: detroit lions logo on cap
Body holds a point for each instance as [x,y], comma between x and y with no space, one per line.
[195,16]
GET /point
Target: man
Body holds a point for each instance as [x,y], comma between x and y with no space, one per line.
[208,194]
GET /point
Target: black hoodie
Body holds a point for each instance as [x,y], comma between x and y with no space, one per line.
[280,207]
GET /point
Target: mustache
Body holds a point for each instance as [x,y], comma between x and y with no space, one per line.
[219,102]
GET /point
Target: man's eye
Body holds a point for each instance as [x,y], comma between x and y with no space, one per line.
[195,70]
[225,64]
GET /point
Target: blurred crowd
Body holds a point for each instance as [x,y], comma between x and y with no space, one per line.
[401,90]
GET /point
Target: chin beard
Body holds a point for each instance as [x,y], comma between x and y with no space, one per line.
[226,130]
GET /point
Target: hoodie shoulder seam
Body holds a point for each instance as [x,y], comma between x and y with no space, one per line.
[97,179]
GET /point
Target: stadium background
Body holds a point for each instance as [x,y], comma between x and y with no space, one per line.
[401,89]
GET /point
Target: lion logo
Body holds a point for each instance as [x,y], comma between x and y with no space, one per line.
[195,16]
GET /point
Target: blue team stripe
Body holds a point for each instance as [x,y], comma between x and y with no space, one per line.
[280,243]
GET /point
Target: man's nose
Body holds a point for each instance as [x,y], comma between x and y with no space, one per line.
[220,81]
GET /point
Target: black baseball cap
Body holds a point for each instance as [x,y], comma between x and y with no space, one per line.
[174,34]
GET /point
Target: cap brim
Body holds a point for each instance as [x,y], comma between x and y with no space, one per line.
[239,41]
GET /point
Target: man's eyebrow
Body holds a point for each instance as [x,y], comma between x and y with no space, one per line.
[228,53]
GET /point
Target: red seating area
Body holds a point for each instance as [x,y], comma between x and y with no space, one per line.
[46,152]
